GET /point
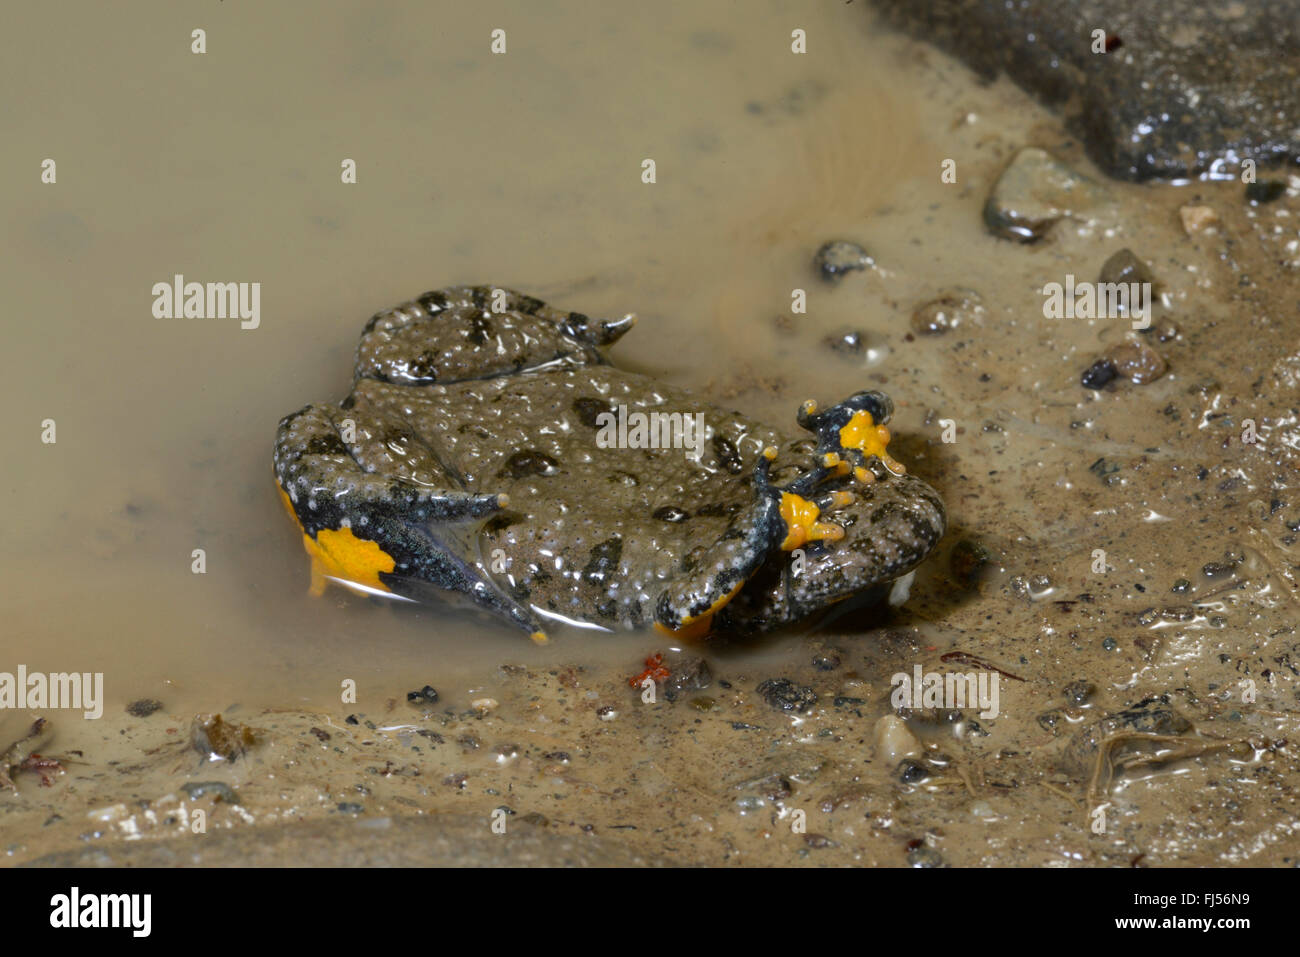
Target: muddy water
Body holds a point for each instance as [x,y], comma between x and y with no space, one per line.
[524,170]
[520,169]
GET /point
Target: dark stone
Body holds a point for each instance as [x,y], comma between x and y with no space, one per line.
[826,662]
[912,772]
[784,695]
[426,695]
[1098,374]
[1078,692]
[143,707]
[1125,267]
[838,257]
[1265,192]
[1185,84]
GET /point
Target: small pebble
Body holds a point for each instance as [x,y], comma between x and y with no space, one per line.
[426,695]
[894,740]
[924,857]
[1137,361]
[849,342]
[1098,374]
[839,257]
[826,662]
[912,772]
[1197,219]
[1078,692]
[143,707]
[1125,267]
[947,312]
[1265,192]
[784,695]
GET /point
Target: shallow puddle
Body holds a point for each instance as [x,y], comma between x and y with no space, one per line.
[524,169]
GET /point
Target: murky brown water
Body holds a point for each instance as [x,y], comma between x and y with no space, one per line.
[524,170]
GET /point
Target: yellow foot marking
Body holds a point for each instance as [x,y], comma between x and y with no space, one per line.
[801,525]
[862,433]
[337,553]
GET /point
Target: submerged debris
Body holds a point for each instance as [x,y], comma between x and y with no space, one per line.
[21,756]
[220,740]
[218,790]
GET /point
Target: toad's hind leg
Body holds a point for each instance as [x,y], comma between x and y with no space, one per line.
[378,511]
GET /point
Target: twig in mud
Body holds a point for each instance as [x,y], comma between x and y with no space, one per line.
[1065,794]
[1182,747]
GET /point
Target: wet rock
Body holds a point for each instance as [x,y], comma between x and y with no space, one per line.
[143,707]
[220,740]
[1185,88]
[837,258]
[688,674]
[1137,361]
[1181,587]
[1049,720]
[948,311]
[1197,219]
[1165,331]
[924,857]
[1265,192]
[1098,374]
[784,695]
[894,741]
[826,662]
[912,772]
[1214,570]
[425,696]
[1125,267]
[847,342]
[1033,193]
[1078,692]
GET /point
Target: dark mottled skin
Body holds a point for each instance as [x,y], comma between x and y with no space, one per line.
[455,403]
